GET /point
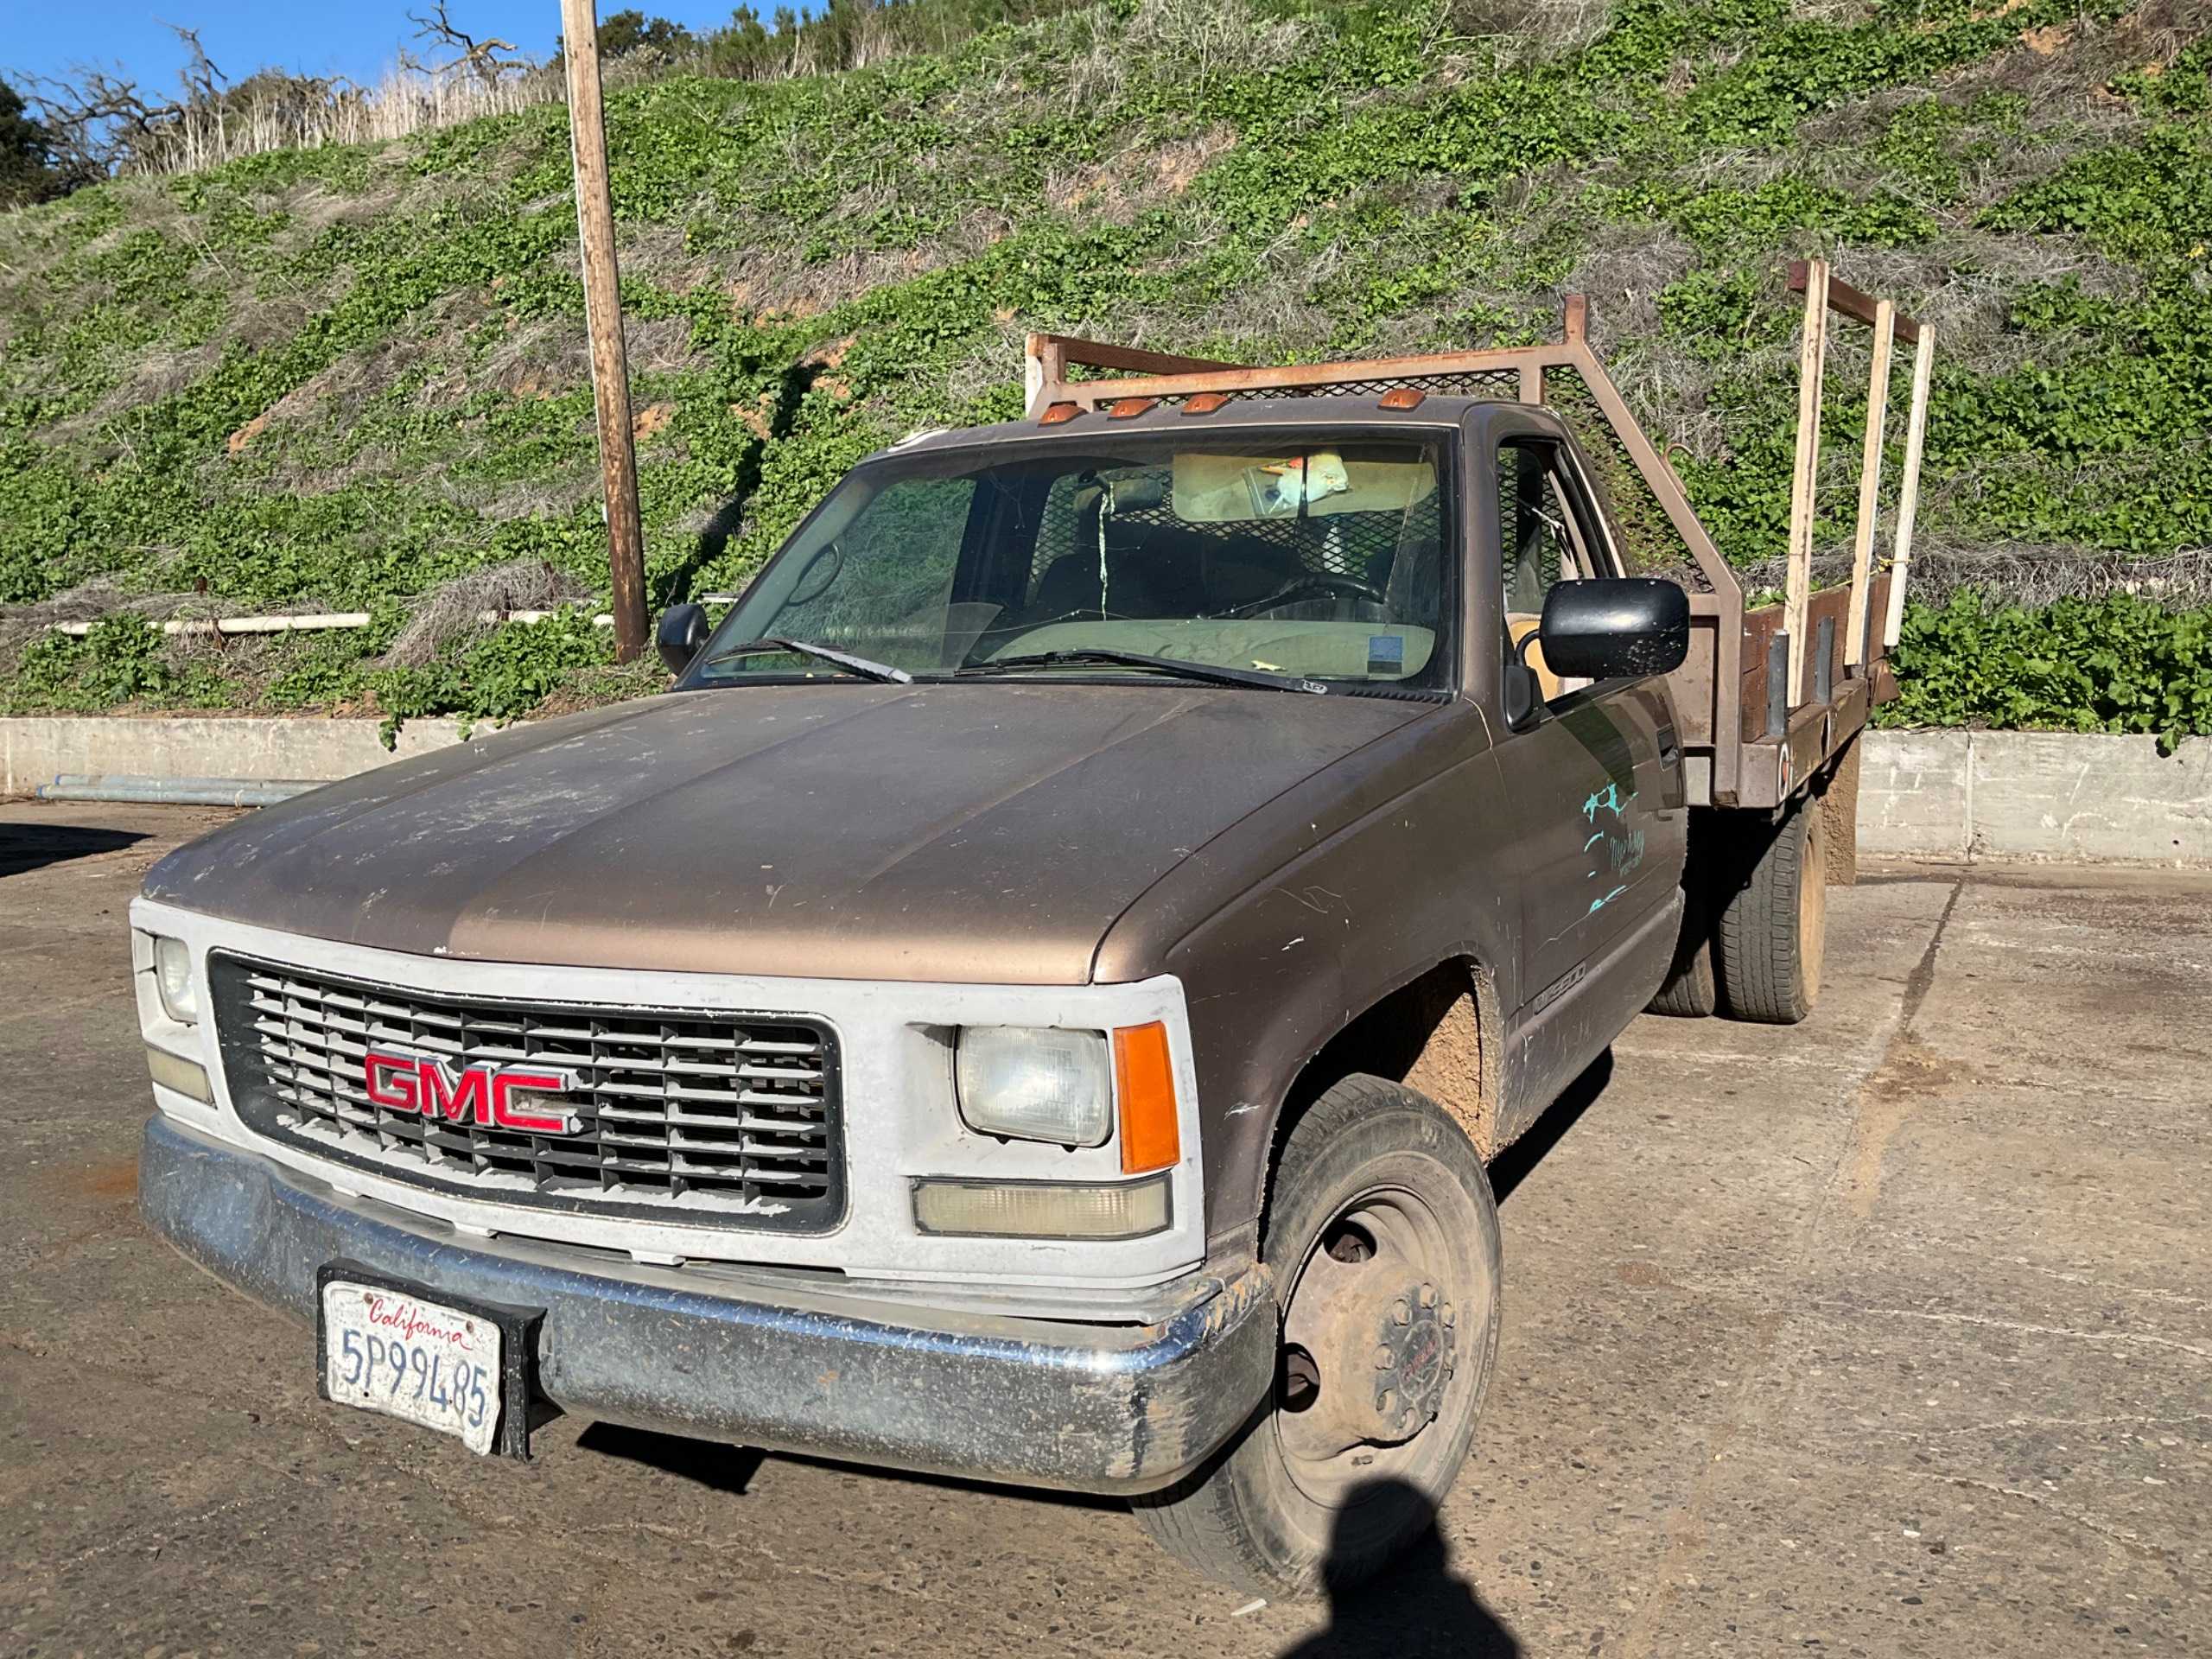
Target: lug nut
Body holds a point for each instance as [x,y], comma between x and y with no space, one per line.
[1384,1359]
[1384,1400]
[1451,1316]
[1401,1311]
[1428,1295]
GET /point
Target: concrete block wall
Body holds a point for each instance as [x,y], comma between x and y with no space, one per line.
[2078,798]
[34,751]
[1943,795]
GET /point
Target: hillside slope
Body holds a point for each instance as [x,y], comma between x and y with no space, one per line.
[356,378]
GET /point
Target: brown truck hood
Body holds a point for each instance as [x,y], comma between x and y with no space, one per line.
[974,833]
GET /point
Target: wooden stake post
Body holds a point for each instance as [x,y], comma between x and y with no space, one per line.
[1797,582]
[1916,432]
[1870,484]
[610,367]
[1824,293]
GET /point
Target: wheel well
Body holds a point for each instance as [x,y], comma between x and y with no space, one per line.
[1438,1033]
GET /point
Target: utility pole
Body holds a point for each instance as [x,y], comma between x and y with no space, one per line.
[610,366]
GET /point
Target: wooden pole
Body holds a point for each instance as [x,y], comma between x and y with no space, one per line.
[1916,432]
[1869,484]
[610,367]
[1798,585]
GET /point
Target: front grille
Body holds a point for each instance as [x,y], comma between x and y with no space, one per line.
[728,1115]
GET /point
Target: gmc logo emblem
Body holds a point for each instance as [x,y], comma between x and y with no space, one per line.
[495,1097]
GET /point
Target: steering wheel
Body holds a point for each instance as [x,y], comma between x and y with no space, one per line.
[830,558]
[1324,581]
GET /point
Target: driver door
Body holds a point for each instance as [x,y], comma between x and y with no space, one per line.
[1594,778]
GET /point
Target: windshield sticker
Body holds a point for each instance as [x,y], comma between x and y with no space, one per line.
[1386,653]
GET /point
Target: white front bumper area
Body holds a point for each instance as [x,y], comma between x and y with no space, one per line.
[901,1119]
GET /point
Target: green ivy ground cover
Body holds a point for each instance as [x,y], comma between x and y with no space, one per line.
[349,379]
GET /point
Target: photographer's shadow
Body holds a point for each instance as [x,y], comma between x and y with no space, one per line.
[1415,1606]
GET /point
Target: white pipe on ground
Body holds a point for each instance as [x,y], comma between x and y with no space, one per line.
[135,789]
[311,623]
[308,624]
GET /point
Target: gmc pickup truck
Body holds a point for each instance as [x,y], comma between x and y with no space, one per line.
[1036,998]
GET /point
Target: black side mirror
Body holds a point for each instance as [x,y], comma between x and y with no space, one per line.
[683,630]
[1615,628]
[1523,693]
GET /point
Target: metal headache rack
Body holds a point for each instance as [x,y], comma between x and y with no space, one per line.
[1768,696]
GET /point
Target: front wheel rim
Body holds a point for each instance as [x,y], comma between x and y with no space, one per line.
[1378,1356]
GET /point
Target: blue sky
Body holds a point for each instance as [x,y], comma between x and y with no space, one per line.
[316,37]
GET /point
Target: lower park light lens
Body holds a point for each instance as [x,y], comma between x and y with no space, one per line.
[175,1071]
[1040,1209]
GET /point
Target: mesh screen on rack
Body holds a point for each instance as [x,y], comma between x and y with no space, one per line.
[1365,545]
[1649,542]
[1502,385]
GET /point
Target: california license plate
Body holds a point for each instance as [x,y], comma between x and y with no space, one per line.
[394,1349]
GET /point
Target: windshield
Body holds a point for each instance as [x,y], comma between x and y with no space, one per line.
[1318,562]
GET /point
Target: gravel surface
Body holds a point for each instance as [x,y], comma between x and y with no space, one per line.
[1891,1334]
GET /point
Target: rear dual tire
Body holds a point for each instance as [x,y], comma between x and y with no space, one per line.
[1383,1238]
[1693,987]
[1773,926]
[1755,918]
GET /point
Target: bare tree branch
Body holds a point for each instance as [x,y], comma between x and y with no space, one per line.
[478,58]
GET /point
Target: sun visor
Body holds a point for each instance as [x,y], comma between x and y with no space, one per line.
[1214,489]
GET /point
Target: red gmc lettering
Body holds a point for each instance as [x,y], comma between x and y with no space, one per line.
[394,1081]
[424,1084]
[456,1103]
[554,1119]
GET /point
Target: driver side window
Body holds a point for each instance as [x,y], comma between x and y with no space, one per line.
[1541,543]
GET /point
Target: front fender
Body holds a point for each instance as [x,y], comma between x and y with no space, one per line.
[1352,914]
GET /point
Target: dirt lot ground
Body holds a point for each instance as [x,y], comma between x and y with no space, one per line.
[1888,1335]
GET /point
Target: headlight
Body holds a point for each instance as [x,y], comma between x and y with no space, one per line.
[172,977]
[1036,1083]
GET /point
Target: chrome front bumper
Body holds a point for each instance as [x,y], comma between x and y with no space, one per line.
[1096,1408]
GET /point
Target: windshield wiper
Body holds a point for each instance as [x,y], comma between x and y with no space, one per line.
[1208,673]
[852,664]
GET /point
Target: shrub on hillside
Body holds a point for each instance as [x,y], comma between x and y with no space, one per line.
[2120,663]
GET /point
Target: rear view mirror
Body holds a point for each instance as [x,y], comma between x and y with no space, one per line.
[683,630]
[1615,628]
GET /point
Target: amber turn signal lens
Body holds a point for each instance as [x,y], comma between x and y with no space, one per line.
[1404,397]
[1058,414]
[1206,403]
[1144,1081]
[1127,409]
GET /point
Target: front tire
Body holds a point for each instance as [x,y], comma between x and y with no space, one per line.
[1383,1238]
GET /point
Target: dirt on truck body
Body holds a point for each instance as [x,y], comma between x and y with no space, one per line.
[1037,997]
